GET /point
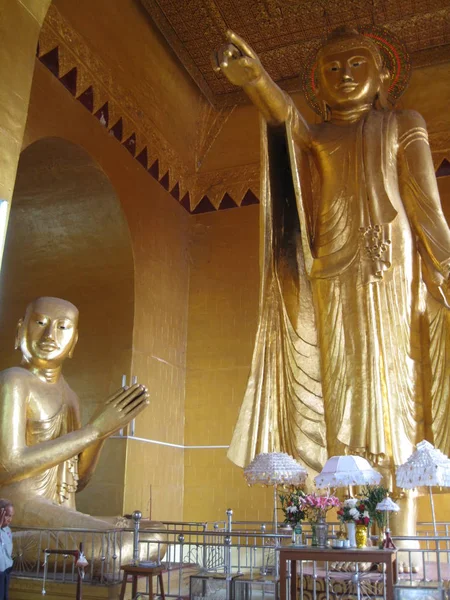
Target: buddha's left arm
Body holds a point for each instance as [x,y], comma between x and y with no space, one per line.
[88,458]
[420,196]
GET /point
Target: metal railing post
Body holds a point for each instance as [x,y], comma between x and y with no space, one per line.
[228,560]
[136,516]
[229,520]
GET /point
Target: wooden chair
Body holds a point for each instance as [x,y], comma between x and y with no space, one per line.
[141,571]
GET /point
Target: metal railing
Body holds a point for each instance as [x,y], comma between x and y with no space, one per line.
[225,555]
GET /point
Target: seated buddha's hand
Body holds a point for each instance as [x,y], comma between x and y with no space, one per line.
[237,61]
[120,408]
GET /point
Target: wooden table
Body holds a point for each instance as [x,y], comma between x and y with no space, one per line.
[141,571]
[294,553]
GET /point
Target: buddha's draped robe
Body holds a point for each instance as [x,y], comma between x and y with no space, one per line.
[59,483]
[350,353]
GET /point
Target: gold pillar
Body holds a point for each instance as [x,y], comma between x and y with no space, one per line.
[20,24]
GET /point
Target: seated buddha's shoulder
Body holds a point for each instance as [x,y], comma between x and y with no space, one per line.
[17,376]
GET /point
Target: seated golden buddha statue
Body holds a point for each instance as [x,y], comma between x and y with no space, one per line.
[353,331]
[46,456]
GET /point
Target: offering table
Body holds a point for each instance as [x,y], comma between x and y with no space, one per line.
[293,554]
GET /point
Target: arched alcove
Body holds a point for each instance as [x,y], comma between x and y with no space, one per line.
[67,237]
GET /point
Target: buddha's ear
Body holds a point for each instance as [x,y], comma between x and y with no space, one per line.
[325,110]
[382,100]
[74,343]
[18,334]
[385,75]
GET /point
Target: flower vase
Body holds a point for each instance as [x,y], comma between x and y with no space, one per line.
[351,531]
[361,536]
[319,530]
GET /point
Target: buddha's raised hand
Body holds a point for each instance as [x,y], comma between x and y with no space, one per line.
[120,408]
[237,61]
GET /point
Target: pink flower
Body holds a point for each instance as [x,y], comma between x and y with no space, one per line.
[317,506]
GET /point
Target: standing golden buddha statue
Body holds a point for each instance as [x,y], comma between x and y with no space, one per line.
[353,332]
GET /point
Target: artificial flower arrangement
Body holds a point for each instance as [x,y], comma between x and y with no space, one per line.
[354,510]
[363,510]
[316,507]
[291,504]
[373,494]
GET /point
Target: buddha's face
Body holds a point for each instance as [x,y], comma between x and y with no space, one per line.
[49,332]
[349,78]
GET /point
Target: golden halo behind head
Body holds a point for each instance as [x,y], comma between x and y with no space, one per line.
[388,50]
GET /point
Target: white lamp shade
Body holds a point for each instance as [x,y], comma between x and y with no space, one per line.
[427,466]
[387,505]
[275,468]
[341,471]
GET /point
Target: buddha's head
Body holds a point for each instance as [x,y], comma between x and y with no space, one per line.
[350,72]
[48,333]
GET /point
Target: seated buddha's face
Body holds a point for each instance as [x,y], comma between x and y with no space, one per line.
[49,332]
[348,78]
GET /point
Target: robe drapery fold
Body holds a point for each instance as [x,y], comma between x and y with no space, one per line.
[58,483]
[283,406]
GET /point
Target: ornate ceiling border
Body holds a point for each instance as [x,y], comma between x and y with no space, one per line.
[63,51]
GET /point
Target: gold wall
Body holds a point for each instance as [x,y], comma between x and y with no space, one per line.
[223,303]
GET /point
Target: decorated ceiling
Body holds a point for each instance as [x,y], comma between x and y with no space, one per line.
[285,32]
